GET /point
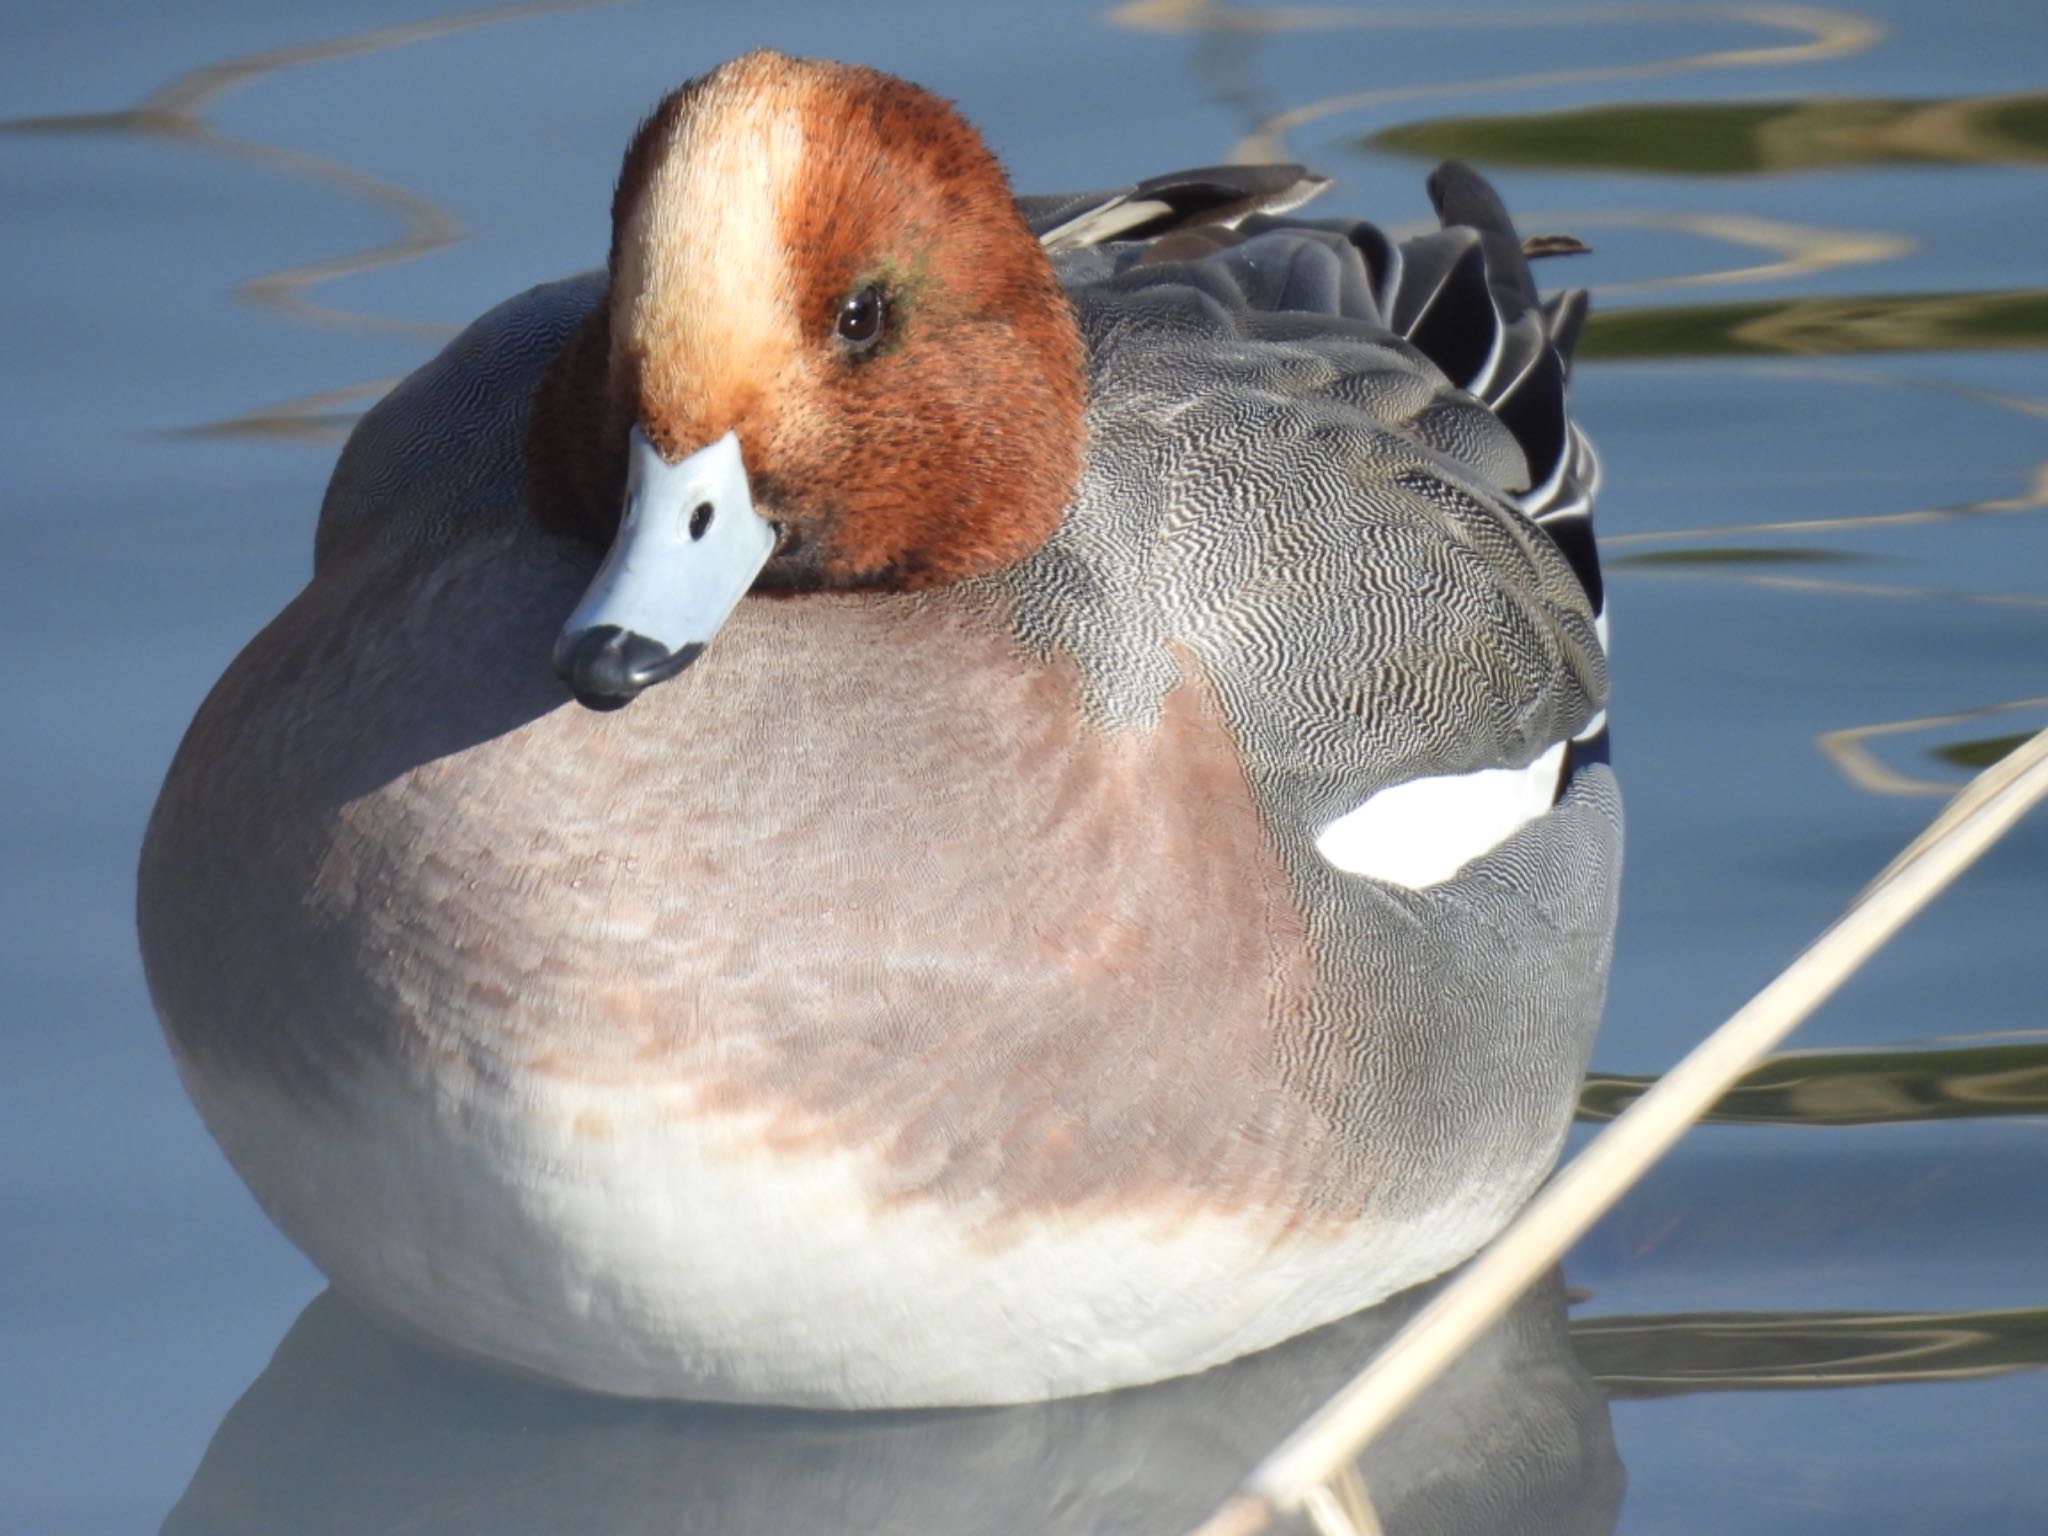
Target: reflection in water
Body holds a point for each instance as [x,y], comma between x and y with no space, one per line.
[1791,568]
[178,112]
[1979,752]
[1850,751]
[1863,1087]
[352,1430]
[319,417]
[1797,250]
[1741,137]
[1757,567]
[1801,249]
[1822,35]
[1730,571]
[1907,322]
[1730,555]
[2033,499]
[1758,1351]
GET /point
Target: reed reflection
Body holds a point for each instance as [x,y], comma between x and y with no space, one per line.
[1634,1357]
[1864,1087]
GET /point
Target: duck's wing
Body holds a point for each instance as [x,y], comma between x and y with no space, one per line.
[1209,196]
[1465,296]
[1373,506]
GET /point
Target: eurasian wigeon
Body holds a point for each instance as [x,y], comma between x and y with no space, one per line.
[1106,861]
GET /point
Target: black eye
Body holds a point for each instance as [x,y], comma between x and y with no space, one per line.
[861,318]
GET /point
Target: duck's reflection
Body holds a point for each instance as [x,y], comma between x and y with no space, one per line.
[353,1430]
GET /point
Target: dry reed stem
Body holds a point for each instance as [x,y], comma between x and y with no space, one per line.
[1325,1445]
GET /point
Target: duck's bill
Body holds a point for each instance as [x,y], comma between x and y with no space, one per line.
[688,548]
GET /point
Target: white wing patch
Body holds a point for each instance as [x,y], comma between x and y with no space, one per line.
[1423,832]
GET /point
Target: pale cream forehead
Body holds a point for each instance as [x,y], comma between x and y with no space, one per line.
[704,259]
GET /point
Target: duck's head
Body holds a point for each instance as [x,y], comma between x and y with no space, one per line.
[833,358]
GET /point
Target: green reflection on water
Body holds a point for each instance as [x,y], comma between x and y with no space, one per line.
[1741,138]
[1910,322]
[1753,1351]
[1979,752]
[1863,1087]
[1729,554]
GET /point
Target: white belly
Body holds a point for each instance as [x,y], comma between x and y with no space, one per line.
[603,1239]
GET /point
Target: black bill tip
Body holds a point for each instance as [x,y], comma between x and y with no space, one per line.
[609,667]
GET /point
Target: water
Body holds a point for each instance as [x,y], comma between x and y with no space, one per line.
[1815,379]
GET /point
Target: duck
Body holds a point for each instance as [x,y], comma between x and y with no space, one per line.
[911,795]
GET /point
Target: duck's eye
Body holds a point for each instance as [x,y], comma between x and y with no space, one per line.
[861,318]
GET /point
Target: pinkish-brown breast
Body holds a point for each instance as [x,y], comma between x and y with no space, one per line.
[865,872]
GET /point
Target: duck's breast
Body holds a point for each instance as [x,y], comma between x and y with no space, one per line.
[867,875]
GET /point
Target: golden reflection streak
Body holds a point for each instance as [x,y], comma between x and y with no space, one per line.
[1828,35]
[1862,768]
[315,418]
[1804,248]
